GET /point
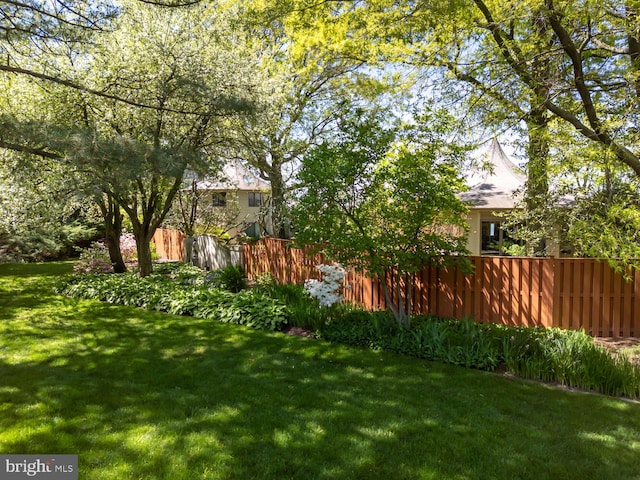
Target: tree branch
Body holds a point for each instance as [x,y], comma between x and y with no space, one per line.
[32,150]
[70,84]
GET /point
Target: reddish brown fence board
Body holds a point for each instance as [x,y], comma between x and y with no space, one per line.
[571,293]
[169,244]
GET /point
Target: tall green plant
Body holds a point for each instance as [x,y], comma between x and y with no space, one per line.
[384,199]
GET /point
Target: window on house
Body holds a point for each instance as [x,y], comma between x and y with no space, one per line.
[495,239]
[255,199]
[490,238]
[219,199]
[252,230]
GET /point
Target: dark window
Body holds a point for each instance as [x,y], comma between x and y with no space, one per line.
[255,199]
[490,238]
[495,239]
[252,230]
[219,199]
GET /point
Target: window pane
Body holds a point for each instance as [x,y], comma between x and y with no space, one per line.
[490,238]
[255,199]
[219,199]
[252,230]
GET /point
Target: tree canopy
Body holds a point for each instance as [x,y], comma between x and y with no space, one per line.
[128,94]
[137,155]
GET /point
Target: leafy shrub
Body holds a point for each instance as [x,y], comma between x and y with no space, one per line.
[180,293]
[94,259]
[231,278]
[328,290]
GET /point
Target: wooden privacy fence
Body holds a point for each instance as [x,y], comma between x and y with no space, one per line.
[570,293]
[169,244]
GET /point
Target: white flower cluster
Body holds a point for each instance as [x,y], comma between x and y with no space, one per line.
[327,290]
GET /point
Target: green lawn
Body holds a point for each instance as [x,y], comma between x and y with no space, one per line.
[144,395]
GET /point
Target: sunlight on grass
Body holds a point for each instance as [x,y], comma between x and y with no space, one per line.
[139,394]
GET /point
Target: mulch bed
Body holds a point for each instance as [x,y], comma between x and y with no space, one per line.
[299,332]
[616,344]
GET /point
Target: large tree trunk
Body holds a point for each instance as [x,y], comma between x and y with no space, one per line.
[112,217]
[538,131]
[279,219]
[112,234]
[537,175]
[143,247]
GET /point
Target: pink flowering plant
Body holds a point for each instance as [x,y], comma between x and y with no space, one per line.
[327,291]
[94,259]
[128,248]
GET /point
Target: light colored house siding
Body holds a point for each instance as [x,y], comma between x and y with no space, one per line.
[473,238]
[239,183]
[248,213]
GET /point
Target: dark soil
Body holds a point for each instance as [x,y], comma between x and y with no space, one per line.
[618,344]
[299,332]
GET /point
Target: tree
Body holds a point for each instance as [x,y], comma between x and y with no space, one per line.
[580,59]
[523,63]
[54,21]
[178,82]
[43,29]
[460,63]
[178,68]
[592,204]
[307,63]
[139,178]
[383,198]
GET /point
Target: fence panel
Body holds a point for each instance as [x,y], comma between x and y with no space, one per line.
[570,293]
[169,244]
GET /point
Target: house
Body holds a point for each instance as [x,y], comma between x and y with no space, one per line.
[243,195]
[493,192]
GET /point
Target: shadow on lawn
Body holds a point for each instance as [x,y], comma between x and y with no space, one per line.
[144,395]
[30,269]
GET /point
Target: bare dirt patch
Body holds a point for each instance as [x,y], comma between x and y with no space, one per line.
[629,345]
[299,332]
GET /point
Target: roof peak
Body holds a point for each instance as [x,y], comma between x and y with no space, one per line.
[498,158]
[496,186]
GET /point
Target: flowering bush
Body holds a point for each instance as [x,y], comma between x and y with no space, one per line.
[94,259]
[128,248]
[327,291]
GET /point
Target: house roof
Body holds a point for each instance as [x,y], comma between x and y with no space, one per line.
[496,187]
[235,176]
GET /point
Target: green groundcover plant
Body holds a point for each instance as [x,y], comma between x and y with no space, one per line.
[182,290]
[569,358]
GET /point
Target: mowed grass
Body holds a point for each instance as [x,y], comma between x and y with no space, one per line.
[144,395]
